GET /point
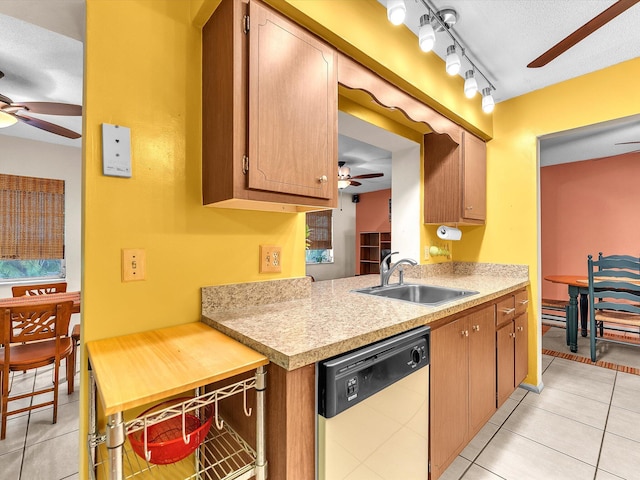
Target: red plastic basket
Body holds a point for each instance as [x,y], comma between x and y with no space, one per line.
[165,442]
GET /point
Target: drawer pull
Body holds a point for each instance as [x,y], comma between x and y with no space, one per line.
[508,311]
[524,302]
[323,179]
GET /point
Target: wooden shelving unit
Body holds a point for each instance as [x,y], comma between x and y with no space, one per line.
[371,245]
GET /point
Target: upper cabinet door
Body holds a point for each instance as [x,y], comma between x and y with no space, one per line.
[474,200]
[293,95]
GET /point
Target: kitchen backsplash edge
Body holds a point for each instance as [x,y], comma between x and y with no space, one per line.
[228,297]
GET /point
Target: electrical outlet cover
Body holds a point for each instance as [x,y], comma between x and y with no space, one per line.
[270,259]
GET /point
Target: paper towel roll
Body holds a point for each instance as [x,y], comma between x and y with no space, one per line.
[449,233]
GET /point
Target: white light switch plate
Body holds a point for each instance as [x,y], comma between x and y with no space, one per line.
[116,150]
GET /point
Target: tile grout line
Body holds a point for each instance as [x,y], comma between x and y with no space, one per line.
[473,462]
[604,431]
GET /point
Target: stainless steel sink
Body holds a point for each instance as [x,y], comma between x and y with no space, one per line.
[423,294]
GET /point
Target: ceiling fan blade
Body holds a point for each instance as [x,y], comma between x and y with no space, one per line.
[581,33]
[369,175]
[49,127]
[52,108]
[6,100]
[353,183]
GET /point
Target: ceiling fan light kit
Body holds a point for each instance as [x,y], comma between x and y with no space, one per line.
[7,120]
[435,21]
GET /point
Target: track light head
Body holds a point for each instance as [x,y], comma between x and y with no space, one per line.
[426,34]
[470,84]
[453,60]
[487,100]
[396,11]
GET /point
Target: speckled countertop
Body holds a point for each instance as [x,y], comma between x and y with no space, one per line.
[321,319]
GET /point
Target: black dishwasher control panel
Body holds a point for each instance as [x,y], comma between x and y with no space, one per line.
[349,378]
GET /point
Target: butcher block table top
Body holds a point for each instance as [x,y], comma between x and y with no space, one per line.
[133,370]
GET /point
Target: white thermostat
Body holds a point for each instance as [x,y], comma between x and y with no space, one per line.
[116,150]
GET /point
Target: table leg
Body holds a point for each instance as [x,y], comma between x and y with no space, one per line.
[584,309]
[572,318]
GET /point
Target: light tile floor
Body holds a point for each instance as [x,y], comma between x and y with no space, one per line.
[584,425]
[36,449]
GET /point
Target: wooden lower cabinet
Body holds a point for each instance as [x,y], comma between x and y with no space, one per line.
[512,338]
[463,384]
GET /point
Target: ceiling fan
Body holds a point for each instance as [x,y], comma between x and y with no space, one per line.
[346,180]
[12,112]
[584,31]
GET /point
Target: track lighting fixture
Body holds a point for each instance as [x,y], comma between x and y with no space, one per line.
[453,60]
[470,84]
[487,100]
[442,21]
[426,35]
[396,10]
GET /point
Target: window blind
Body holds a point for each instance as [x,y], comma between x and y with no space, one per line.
[31,218]
[320,233]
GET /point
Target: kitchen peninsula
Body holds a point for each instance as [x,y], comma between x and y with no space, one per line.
[295,323]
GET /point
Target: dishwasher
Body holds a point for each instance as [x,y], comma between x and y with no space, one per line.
[373,411]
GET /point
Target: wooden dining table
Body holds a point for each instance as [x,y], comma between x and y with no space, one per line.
[48,298]
[577,285]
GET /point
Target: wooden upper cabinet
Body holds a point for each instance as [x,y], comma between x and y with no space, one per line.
[474,179]
[270,106]
[455,179]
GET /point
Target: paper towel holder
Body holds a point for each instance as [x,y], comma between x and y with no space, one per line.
[449,233]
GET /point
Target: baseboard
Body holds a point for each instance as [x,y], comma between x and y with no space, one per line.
[533,388]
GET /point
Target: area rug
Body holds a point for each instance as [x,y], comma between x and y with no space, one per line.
[623,358]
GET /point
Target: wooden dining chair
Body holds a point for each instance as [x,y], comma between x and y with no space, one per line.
[34,336]
[600,325]
[41,289]
[614,296]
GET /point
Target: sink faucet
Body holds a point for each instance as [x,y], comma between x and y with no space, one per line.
[386,272]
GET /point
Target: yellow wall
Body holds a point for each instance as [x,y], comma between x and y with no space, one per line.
[143,71]
[511,231]
[142,63]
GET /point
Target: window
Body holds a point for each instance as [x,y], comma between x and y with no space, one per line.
[31,228]
[319,237]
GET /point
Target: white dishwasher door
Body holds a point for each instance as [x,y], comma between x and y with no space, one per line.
[385,437]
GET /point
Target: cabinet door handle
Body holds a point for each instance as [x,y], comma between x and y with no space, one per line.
[476,328]
[323,179]
[464,333]
[512,335]
[508,311]
[470,207]
[520,329]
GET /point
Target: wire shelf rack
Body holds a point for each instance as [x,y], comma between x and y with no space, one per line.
[223,455]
